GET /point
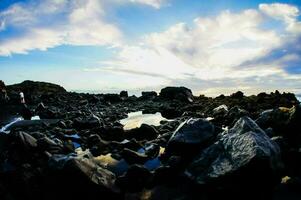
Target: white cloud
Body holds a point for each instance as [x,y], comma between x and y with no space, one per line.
[49,23]
[285,12]
[154,3]
[227,51]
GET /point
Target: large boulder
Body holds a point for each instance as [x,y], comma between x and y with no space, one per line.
[284,121]
[244,155]
[178,93]
[190,137]
[83,175]
[145,131]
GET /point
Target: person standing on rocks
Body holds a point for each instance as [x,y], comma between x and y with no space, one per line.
[22,99]
[25,111]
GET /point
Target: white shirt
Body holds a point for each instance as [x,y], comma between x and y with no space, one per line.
[21,94]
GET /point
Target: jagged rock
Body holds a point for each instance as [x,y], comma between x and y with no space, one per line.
[243,155]
[284,122]
[190,137]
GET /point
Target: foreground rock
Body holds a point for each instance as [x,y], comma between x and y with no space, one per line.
[244,156]
[190,137]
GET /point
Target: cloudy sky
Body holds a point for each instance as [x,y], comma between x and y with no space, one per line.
[210,46]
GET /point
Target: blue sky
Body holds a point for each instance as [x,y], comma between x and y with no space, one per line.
[210,46]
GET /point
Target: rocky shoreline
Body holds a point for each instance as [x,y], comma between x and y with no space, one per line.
[237,146]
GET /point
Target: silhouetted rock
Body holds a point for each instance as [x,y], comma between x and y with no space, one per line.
[179,93]
[147,95]
[123,94]
[237,95]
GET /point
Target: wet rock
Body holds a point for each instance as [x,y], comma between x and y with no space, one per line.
[51,146]
[190,137]
[87,122]
[152,150]
[84,176]
[25,140]
[133,157]
[244,155]
[284,122]
[234,114]
[115,133]
[96,145]
[220,110]
[135,179]
[145,131]
[178,93]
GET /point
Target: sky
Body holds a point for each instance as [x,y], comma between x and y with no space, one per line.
[210,46]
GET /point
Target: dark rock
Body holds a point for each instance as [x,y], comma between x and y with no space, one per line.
[152,150]
[169,112]
[149,95]
[244,155]
[179,93]
[87,122]
[112,98]
[133,157]
[34,88]
[145,131]
[26,112]
[97,146]
[51,146]
[25,140]
[237,95]
[284,122]
[135,179]
[124,94]
[190,137]
[84,176]
[234,114]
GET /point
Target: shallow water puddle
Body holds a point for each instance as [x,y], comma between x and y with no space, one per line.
[120,166]
[135,119]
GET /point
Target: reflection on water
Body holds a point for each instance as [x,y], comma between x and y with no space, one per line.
[120,166]
[4,128]
[135,119]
